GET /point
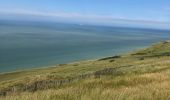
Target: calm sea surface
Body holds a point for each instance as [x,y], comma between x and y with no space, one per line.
[25,45]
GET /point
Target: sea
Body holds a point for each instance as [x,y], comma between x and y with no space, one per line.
[30,44]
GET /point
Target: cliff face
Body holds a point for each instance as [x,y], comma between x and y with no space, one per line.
[144,74]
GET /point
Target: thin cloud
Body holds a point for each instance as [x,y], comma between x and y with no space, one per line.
[83,17]
[58,14]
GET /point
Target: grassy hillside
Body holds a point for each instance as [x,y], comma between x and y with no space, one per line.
[140,75]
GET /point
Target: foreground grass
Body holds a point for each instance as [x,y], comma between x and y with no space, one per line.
[152,86]
[141,75]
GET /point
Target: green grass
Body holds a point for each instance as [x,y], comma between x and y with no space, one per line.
[140,75]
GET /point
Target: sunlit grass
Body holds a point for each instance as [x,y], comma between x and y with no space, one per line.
[126,78]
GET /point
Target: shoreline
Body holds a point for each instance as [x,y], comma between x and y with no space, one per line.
[63,48]
[138,62]
[75,62]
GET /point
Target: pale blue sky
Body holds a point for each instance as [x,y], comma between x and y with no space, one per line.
[144,13]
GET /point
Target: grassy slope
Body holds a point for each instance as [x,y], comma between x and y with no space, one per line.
[141,75]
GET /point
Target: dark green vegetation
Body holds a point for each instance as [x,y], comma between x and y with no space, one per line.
[141,75]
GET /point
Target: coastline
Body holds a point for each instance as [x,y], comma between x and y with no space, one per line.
[134,64]
[28,49]
[75,62]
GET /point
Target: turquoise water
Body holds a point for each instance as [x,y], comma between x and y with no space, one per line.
[25,45]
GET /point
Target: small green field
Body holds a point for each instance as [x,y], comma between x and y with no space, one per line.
[139,75]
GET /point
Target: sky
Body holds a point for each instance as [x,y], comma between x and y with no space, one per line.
[141,13]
